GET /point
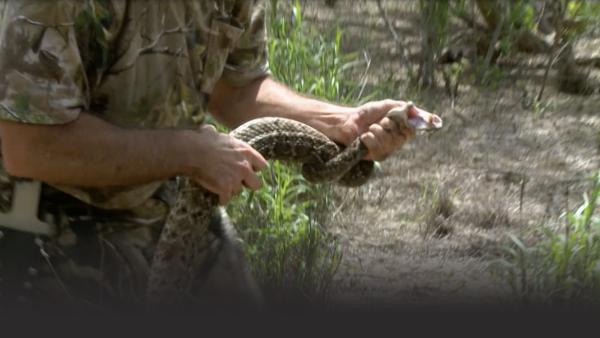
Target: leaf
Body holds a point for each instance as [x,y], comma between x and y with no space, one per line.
[518,243]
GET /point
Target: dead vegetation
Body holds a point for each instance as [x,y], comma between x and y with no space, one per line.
[434,210]
[504,163]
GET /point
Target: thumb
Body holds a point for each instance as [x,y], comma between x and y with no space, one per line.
[207,128]
[374,112]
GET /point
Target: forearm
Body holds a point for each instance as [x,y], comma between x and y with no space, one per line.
[265,97]
[90,152]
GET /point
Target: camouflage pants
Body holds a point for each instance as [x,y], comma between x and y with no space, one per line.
[100,259]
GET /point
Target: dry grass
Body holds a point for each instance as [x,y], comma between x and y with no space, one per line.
[434,211]
[498,167]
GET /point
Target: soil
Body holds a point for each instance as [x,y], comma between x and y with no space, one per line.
[499,166]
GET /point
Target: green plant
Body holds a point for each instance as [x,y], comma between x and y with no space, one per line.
[562,267]
[581,15]
[282,223]
[308,61]
[287,248]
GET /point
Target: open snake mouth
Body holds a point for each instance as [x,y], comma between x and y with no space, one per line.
[421,120]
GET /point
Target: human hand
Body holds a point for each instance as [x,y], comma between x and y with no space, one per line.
[223,164]
[378,133]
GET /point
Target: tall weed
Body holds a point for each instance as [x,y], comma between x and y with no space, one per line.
[282,224]
[308,61]
[564,266]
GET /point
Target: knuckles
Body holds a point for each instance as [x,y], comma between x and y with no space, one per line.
[390,102]
[244,168]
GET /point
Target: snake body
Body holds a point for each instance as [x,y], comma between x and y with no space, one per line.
[184,243]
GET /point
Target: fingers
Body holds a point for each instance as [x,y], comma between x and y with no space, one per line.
[383,134]
[252,181]
[373,112]
[383,138]
[225,197]
[369,139]
[235,188]
[246,176]
[249,177]
[257,161]
[233,164]
[245,173]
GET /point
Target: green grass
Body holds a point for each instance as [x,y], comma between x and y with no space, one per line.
[308,61]
[282,224]
[563,267]
[289,251]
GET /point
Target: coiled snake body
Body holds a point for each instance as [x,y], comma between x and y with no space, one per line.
[184,242]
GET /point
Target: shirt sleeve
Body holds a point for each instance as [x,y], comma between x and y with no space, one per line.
[42,79]
[249,60]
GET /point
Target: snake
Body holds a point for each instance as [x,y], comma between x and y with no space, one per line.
[184,243]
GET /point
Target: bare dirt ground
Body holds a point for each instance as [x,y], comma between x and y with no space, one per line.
[504,168]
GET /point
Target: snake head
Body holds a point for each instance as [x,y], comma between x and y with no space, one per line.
[414,118]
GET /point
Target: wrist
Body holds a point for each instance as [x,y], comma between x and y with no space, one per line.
[335,123]
[185,145]
[342,127]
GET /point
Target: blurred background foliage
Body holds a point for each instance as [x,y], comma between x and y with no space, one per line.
[460,42]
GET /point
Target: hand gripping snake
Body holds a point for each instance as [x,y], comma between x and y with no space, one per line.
[184,243]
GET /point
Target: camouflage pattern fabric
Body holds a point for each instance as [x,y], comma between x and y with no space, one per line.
[136,64]
[97,260]
[100,259]
[148,64]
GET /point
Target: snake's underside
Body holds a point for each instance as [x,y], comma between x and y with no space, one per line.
[184,243]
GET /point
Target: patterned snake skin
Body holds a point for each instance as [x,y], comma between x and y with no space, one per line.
[183,246]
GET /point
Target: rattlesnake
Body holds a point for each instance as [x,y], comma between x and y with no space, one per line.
[184,242]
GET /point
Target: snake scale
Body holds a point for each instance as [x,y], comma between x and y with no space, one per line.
[184,243]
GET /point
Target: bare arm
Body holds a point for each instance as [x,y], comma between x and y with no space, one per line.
[265,97]
[94,153]
[90,152]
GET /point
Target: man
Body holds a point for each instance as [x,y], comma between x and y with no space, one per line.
[100,101]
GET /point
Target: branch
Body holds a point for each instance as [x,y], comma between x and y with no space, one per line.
[399,44]
[490,51]
[551,61]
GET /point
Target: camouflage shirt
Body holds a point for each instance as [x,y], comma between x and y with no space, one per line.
[142,64]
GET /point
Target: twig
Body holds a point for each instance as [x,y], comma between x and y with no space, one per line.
[53,270]
[551,61]
[491,47]
[522,195]
[448,86]
[364,76]
[558,38]
[402,48]
[541,15]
